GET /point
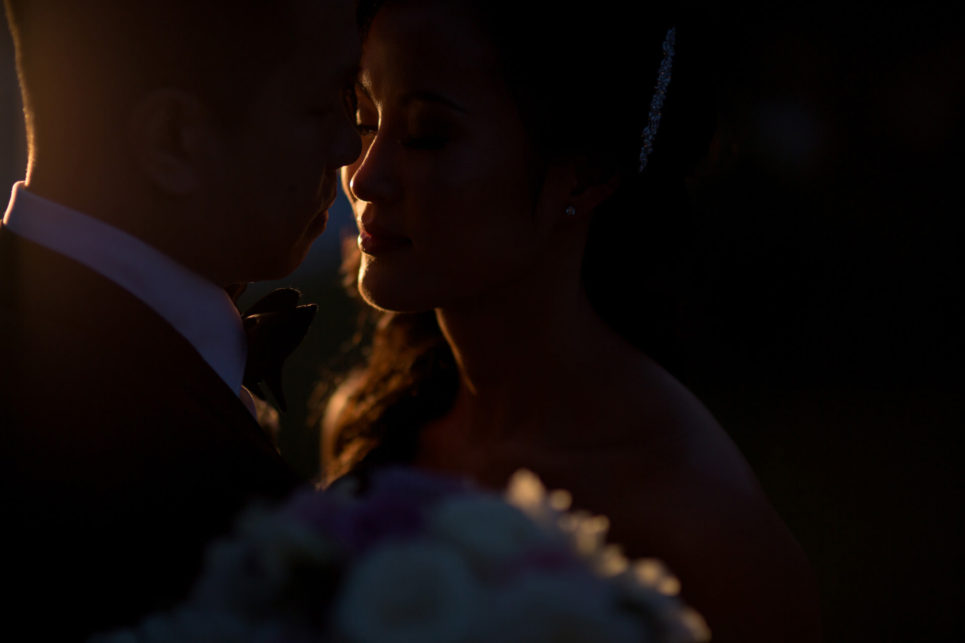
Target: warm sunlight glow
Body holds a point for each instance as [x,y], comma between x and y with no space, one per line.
[612,561]
[652,572]
[560,500]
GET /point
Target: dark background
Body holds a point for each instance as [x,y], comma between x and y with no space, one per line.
[824,324]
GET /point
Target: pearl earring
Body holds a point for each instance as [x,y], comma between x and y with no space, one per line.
[570,211]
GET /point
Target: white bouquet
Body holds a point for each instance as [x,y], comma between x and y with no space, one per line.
[425,558]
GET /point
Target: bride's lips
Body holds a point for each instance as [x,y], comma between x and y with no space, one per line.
[376,241]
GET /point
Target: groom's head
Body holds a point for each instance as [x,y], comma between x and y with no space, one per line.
[211,129]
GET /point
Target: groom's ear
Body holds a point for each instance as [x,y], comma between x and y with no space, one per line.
[171,135]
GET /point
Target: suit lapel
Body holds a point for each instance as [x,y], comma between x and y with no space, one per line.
[50,290]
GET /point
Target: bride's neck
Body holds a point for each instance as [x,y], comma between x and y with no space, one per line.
[516,349]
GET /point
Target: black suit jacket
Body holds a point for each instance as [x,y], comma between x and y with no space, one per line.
[123,453]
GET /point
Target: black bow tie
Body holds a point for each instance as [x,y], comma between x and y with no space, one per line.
[275,325]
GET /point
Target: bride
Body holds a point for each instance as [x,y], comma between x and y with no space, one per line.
[518,200]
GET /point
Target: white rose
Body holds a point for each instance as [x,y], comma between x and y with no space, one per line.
[649,588]
[251,571]
[556,608]
[587,534]
[485,529]
[527,493]
[408,592]
[584,532]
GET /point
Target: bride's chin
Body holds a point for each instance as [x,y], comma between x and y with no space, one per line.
[388,296]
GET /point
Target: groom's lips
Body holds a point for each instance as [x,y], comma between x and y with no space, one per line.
[317,225]
[330,195]
[320,221]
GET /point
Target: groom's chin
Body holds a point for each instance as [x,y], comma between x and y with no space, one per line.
[297,253]
[316,227]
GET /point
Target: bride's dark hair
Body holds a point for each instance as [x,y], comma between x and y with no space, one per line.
[583,79]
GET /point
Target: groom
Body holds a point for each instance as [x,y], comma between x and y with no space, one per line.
[176,147]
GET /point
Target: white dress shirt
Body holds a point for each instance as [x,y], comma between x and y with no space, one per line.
[198,309]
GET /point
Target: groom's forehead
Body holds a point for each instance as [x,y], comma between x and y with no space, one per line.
[328,37]
[214,47]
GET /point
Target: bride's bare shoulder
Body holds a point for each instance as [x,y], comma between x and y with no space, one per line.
[679,488]
[644,409]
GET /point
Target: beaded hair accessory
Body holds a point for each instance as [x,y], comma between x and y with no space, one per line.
[659,94]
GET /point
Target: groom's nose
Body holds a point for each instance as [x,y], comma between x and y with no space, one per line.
[347,144]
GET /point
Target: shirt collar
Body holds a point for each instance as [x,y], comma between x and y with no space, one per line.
[198,309]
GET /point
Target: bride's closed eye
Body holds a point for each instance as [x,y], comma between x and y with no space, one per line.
[366,116]
[365,129]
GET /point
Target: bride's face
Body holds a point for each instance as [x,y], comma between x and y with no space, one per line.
[446,190]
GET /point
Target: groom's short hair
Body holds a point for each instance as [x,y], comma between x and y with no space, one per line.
[103,54]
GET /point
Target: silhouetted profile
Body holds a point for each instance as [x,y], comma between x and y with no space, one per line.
[176,148]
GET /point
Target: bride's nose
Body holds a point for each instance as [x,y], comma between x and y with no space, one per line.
[376,177]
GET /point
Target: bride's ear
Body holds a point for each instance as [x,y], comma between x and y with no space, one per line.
[576,189]
[170,133]
[591,186]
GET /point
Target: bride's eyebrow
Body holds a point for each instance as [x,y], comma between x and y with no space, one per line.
[426,96]
[363,81]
